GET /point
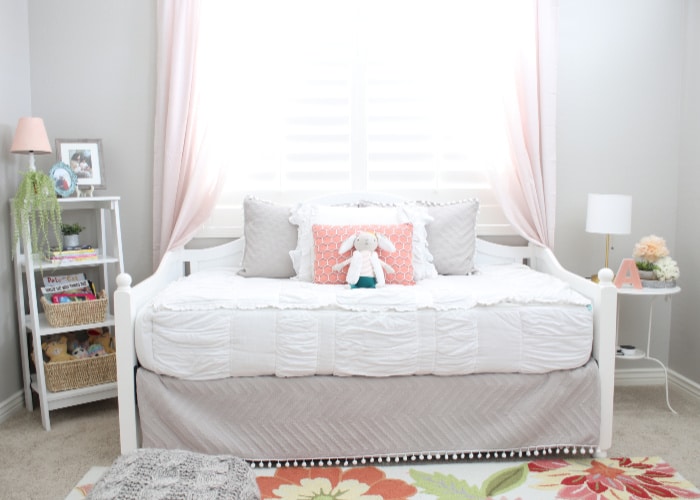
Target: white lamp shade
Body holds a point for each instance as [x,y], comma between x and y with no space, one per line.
[30,137]
[609,214]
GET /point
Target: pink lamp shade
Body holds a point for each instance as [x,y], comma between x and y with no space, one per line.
[30,137]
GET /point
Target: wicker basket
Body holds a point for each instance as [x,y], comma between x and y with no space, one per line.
[66,375]
[76,313]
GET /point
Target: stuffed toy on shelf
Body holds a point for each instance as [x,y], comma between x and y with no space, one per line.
[57,349]
[103,339]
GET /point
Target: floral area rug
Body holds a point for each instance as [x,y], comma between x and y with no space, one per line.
[558,478]
[84,486]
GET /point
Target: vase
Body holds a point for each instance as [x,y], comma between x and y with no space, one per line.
[71,241]
[647,275]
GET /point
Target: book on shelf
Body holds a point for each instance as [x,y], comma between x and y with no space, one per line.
[76,254]
[68,288]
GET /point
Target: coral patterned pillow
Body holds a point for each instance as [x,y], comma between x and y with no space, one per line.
[327,241]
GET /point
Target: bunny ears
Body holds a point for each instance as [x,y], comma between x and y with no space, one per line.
[379,239]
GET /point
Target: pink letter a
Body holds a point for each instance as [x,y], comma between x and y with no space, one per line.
[627,274]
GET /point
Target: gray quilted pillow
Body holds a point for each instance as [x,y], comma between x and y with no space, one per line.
[269,237]
[452,235]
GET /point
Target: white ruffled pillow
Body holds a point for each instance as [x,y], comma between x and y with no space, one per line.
[305,215]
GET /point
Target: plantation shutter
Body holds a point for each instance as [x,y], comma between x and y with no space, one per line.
[365,96]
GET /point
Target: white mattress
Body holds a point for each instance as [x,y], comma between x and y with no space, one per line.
[505,318]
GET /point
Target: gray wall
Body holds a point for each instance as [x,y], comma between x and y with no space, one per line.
[92,76]
[623,92]
[620,73]
[627,113]
[15,101]
[685,338]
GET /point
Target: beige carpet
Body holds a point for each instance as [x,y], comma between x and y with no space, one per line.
[35,464]
[644,426]
[45,465]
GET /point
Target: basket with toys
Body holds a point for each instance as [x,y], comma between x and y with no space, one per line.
[72,299]
[79,359]
[75,312]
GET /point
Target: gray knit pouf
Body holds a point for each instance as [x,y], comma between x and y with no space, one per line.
[176,474]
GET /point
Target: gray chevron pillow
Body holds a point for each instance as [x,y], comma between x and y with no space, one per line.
[452,235]
[269,237]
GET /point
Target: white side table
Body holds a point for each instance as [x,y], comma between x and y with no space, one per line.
[654,293]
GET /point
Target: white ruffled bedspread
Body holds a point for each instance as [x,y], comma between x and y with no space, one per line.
[224,289]
[504,318]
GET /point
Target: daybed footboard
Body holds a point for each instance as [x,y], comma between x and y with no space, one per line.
[603,295]
[128,301]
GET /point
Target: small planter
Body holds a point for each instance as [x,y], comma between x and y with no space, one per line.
[647,275]
[71,241]
[71,235]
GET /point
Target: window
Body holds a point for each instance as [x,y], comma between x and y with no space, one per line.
[309,97]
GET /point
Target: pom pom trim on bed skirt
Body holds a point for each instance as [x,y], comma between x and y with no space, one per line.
[582,450]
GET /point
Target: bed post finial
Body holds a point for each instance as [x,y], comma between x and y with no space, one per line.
[605,276]
[123,280]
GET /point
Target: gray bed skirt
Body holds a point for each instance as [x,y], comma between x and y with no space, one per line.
[324,417]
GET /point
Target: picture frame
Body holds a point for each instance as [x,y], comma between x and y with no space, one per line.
[64,179]
[84,156]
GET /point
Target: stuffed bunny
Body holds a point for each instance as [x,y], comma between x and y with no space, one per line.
[366,269]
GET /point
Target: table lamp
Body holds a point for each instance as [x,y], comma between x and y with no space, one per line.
[35,209]
[608,214]
[30,138]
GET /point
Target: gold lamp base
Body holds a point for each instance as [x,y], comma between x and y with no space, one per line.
[594,278]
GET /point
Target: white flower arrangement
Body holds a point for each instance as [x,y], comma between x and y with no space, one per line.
[666,269]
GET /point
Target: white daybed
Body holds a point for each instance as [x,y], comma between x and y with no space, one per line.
[312,390]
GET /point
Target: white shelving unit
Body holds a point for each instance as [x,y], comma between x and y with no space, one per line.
[103,213]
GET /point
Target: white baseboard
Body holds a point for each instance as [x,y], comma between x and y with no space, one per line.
[639,376]
[684,384]
[11,405]
[655,376]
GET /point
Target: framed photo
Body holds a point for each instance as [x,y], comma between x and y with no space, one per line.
[64,179]
[84,156]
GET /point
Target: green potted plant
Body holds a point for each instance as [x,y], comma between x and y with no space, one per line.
[36,211]
[646,269]
[71,235]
